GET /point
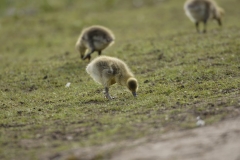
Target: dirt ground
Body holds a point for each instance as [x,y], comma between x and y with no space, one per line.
[216,142]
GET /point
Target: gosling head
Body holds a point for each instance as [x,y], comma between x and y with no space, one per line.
[132,86]
[219,15]
[82,49]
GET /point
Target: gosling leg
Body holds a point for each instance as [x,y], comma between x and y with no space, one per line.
[205,26]
[197,26]
[219,22]
[107,93]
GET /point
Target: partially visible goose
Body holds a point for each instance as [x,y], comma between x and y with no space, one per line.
[203,10]
[108,70]
[94,38]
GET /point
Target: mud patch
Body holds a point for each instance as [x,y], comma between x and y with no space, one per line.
[220,141]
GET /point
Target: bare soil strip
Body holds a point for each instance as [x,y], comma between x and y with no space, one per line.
[220,141]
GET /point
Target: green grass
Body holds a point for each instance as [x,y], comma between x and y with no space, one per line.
[181,74]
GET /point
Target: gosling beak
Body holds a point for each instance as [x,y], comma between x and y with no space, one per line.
[81,57]
[134,94]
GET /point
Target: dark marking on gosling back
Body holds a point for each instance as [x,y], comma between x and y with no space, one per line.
[95,33]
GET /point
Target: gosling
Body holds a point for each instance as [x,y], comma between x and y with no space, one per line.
[108,71]
[203,10]
[94,38]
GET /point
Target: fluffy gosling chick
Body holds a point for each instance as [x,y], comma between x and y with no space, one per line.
[108,70]
[94,38]
[203,10]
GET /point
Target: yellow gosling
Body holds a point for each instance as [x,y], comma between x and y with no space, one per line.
[108,71]
[94,38]
[203,10]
